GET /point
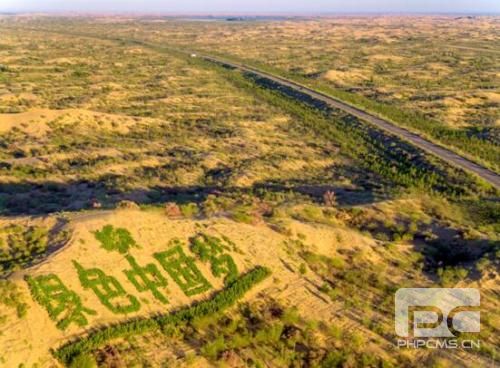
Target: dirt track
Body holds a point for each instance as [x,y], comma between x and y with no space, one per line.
[439,151]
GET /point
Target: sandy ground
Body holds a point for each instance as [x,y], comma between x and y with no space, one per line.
[35,121]
[24,342]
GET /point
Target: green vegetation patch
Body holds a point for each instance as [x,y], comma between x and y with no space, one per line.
[183,270]
[63,305]
[107,288]
[118,239]
[147,278]
[211,249]
[221,301]
[21,245]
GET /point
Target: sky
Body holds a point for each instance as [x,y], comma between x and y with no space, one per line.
[255,6]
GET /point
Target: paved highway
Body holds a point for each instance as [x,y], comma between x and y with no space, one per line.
[418,141]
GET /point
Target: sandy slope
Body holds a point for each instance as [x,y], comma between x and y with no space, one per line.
[29,340]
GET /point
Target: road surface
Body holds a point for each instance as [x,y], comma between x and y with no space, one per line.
[418,141]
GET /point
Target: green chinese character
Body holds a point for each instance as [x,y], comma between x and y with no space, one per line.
[118,239]
[63,305]
[183,270]
[146,278]
[212,249]
[108,290]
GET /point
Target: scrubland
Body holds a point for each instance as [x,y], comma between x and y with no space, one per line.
[159,210]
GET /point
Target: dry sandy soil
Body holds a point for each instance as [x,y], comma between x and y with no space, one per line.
[22,340]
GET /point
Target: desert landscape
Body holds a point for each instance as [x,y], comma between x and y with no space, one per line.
[159,208]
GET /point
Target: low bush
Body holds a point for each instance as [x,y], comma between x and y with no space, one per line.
[83,361]
[449,276]
[189,210]
[23,245]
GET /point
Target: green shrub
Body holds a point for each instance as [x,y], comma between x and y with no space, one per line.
[214,348]
[270,335]
[63,305]
[147,278]
[182,269]
[107,288]
[334,359]
[449,276]
[242,215]
[24,245]
[83,361]
[189,210]
[337,263]
[290,316]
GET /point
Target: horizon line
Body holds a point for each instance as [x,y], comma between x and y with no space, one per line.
[231,13]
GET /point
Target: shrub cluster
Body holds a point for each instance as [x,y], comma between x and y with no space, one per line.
[147,278]
[22,246]
[63,305]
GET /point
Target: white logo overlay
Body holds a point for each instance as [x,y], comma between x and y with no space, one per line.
[436,313]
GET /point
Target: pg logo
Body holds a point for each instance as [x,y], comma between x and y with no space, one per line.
[436,312]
